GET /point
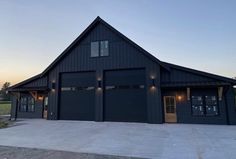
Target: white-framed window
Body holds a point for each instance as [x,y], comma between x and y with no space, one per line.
[104,49]
[204,105]
[27,104]
[95,49]
[99,48]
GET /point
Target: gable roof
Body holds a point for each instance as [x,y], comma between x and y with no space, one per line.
[206,74]
[87,30]
[16,86]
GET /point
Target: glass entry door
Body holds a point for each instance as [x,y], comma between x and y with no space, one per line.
[45,108]
[170,109]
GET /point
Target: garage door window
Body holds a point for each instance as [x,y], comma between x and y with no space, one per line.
[64,89]
[125,87]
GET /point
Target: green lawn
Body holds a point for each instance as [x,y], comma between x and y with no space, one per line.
[5,107]
[3,124]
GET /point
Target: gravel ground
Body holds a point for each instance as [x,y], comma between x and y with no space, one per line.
[31,153]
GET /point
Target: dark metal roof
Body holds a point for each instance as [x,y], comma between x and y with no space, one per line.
[192,84]
[24,82]
[210,75]
[28,89]
[87,30]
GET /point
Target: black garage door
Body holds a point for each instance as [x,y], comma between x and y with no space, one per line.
[125,96]
[77,101]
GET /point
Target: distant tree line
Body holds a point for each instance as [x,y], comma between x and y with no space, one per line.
[4,95]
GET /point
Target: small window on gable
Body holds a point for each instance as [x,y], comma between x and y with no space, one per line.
[104,49]
[95,49]
[99,48]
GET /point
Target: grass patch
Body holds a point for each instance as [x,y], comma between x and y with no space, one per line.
[3,124]
[5,108]
[5,102]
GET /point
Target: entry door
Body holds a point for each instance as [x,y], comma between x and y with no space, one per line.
[45,108]
[170,109]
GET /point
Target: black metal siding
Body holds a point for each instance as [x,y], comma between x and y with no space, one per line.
[121,55]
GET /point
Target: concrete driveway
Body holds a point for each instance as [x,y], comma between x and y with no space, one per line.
[125,139]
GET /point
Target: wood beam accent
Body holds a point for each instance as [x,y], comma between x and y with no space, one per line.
[34,94]
[188,93]
[220,92]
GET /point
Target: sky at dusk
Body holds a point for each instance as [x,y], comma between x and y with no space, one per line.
[199,34]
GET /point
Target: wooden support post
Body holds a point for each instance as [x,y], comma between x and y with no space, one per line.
[17,95]
[188,93]
[220,92]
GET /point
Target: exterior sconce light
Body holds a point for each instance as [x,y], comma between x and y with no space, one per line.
[99,84]
[40,97]
[179,97]
[153,83]
[53,86]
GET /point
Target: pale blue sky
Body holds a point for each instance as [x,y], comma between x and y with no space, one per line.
[200,34]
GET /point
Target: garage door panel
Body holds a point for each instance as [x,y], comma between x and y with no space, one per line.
[125,96]
[125,106]
[77,100]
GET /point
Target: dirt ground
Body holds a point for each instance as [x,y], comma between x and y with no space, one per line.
[28,153]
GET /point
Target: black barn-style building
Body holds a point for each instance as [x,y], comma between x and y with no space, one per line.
[104,76]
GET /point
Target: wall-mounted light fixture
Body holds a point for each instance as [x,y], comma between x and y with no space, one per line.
[99,84]
[179,97]
[40,97]
[153,83]
[53,86]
